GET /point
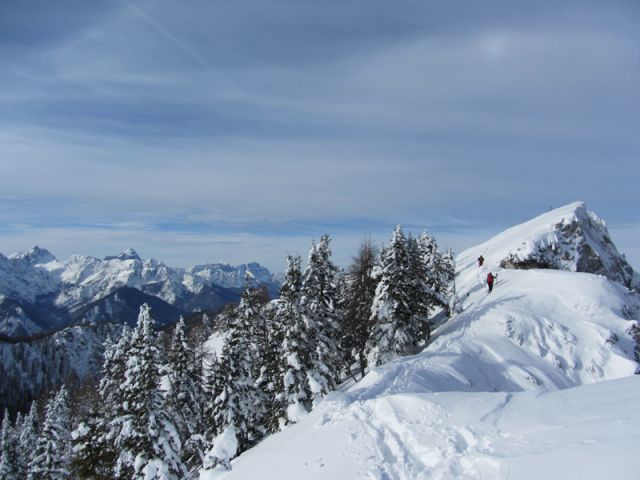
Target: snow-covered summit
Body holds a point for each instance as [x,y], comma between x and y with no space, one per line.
[128,254]
[566,238]
[231,276]
[35,256]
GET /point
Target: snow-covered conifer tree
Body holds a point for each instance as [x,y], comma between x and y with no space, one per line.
[421,296]
[395,331]
[293,386]
[207,326]
[52,453]
[185,398]
[318,304]
[212,386]
[438,270]
[272,368]
[111,383]
[148,443]
[8,449]
[27,438]
[93,456]
[239,408]
[94,439]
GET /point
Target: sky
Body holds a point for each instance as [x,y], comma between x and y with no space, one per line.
[201,131]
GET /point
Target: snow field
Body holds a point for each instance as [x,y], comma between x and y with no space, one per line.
[587,432]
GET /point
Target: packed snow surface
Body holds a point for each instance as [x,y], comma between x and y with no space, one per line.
[587,432]
[534,380]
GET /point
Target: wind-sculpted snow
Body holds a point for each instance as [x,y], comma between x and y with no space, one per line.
[537,329]
[587,432]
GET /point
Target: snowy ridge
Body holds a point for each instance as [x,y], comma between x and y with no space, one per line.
[534,380]
[568,238]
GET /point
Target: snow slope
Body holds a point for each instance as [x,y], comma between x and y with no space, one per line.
[587,432]
[535,380]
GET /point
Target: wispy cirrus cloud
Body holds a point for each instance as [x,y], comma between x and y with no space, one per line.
[280,120]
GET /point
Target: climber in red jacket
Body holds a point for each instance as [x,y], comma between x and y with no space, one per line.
[490,278]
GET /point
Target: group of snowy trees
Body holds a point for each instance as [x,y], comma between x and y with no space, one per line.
[30,452]
[164,413]
[282,357]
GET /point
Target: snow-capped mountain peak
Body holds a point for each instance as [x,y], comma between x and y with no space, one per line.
[567,238]
[34,281]
[35,256]
[128,254]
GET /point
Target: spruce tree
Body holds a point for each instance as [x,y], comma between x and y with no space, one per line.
[292,387]
[421,297]
[52,454]
[318,304]
[438,270]
[270,380]
[27,438]
[212,384]
[395,327]
[93,456]
[356,299]
[185,397]
[239,408]
[8,459]
[148,443]
[94,439]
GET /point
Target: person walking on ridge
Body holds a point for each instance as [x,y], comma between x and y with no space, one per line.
[490,278]
[480,260]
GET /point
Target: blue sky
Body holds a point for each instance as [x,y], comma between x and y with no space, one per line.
[199,131]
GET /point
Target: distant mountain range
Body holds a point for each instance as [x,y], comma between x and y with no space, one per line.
[39,293]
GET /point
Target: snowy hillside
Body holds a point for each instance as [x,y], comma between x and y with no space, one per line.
[40,293]
[534,380]
[29,368]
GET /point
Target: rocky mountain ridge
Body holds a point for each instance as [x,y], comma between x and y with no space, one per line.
[40,293]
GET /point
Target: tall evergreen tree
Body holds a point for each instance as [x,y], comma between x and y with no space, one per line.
[94,438]
[318,304]
[272,368]
[8,449]
[238,409]
[27,438]
[185,398]
[438,270]
[52,453]
[395,327]
[421,294]
[212,384]
[148,443]
[292,387]
[92,456]
[356,299]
